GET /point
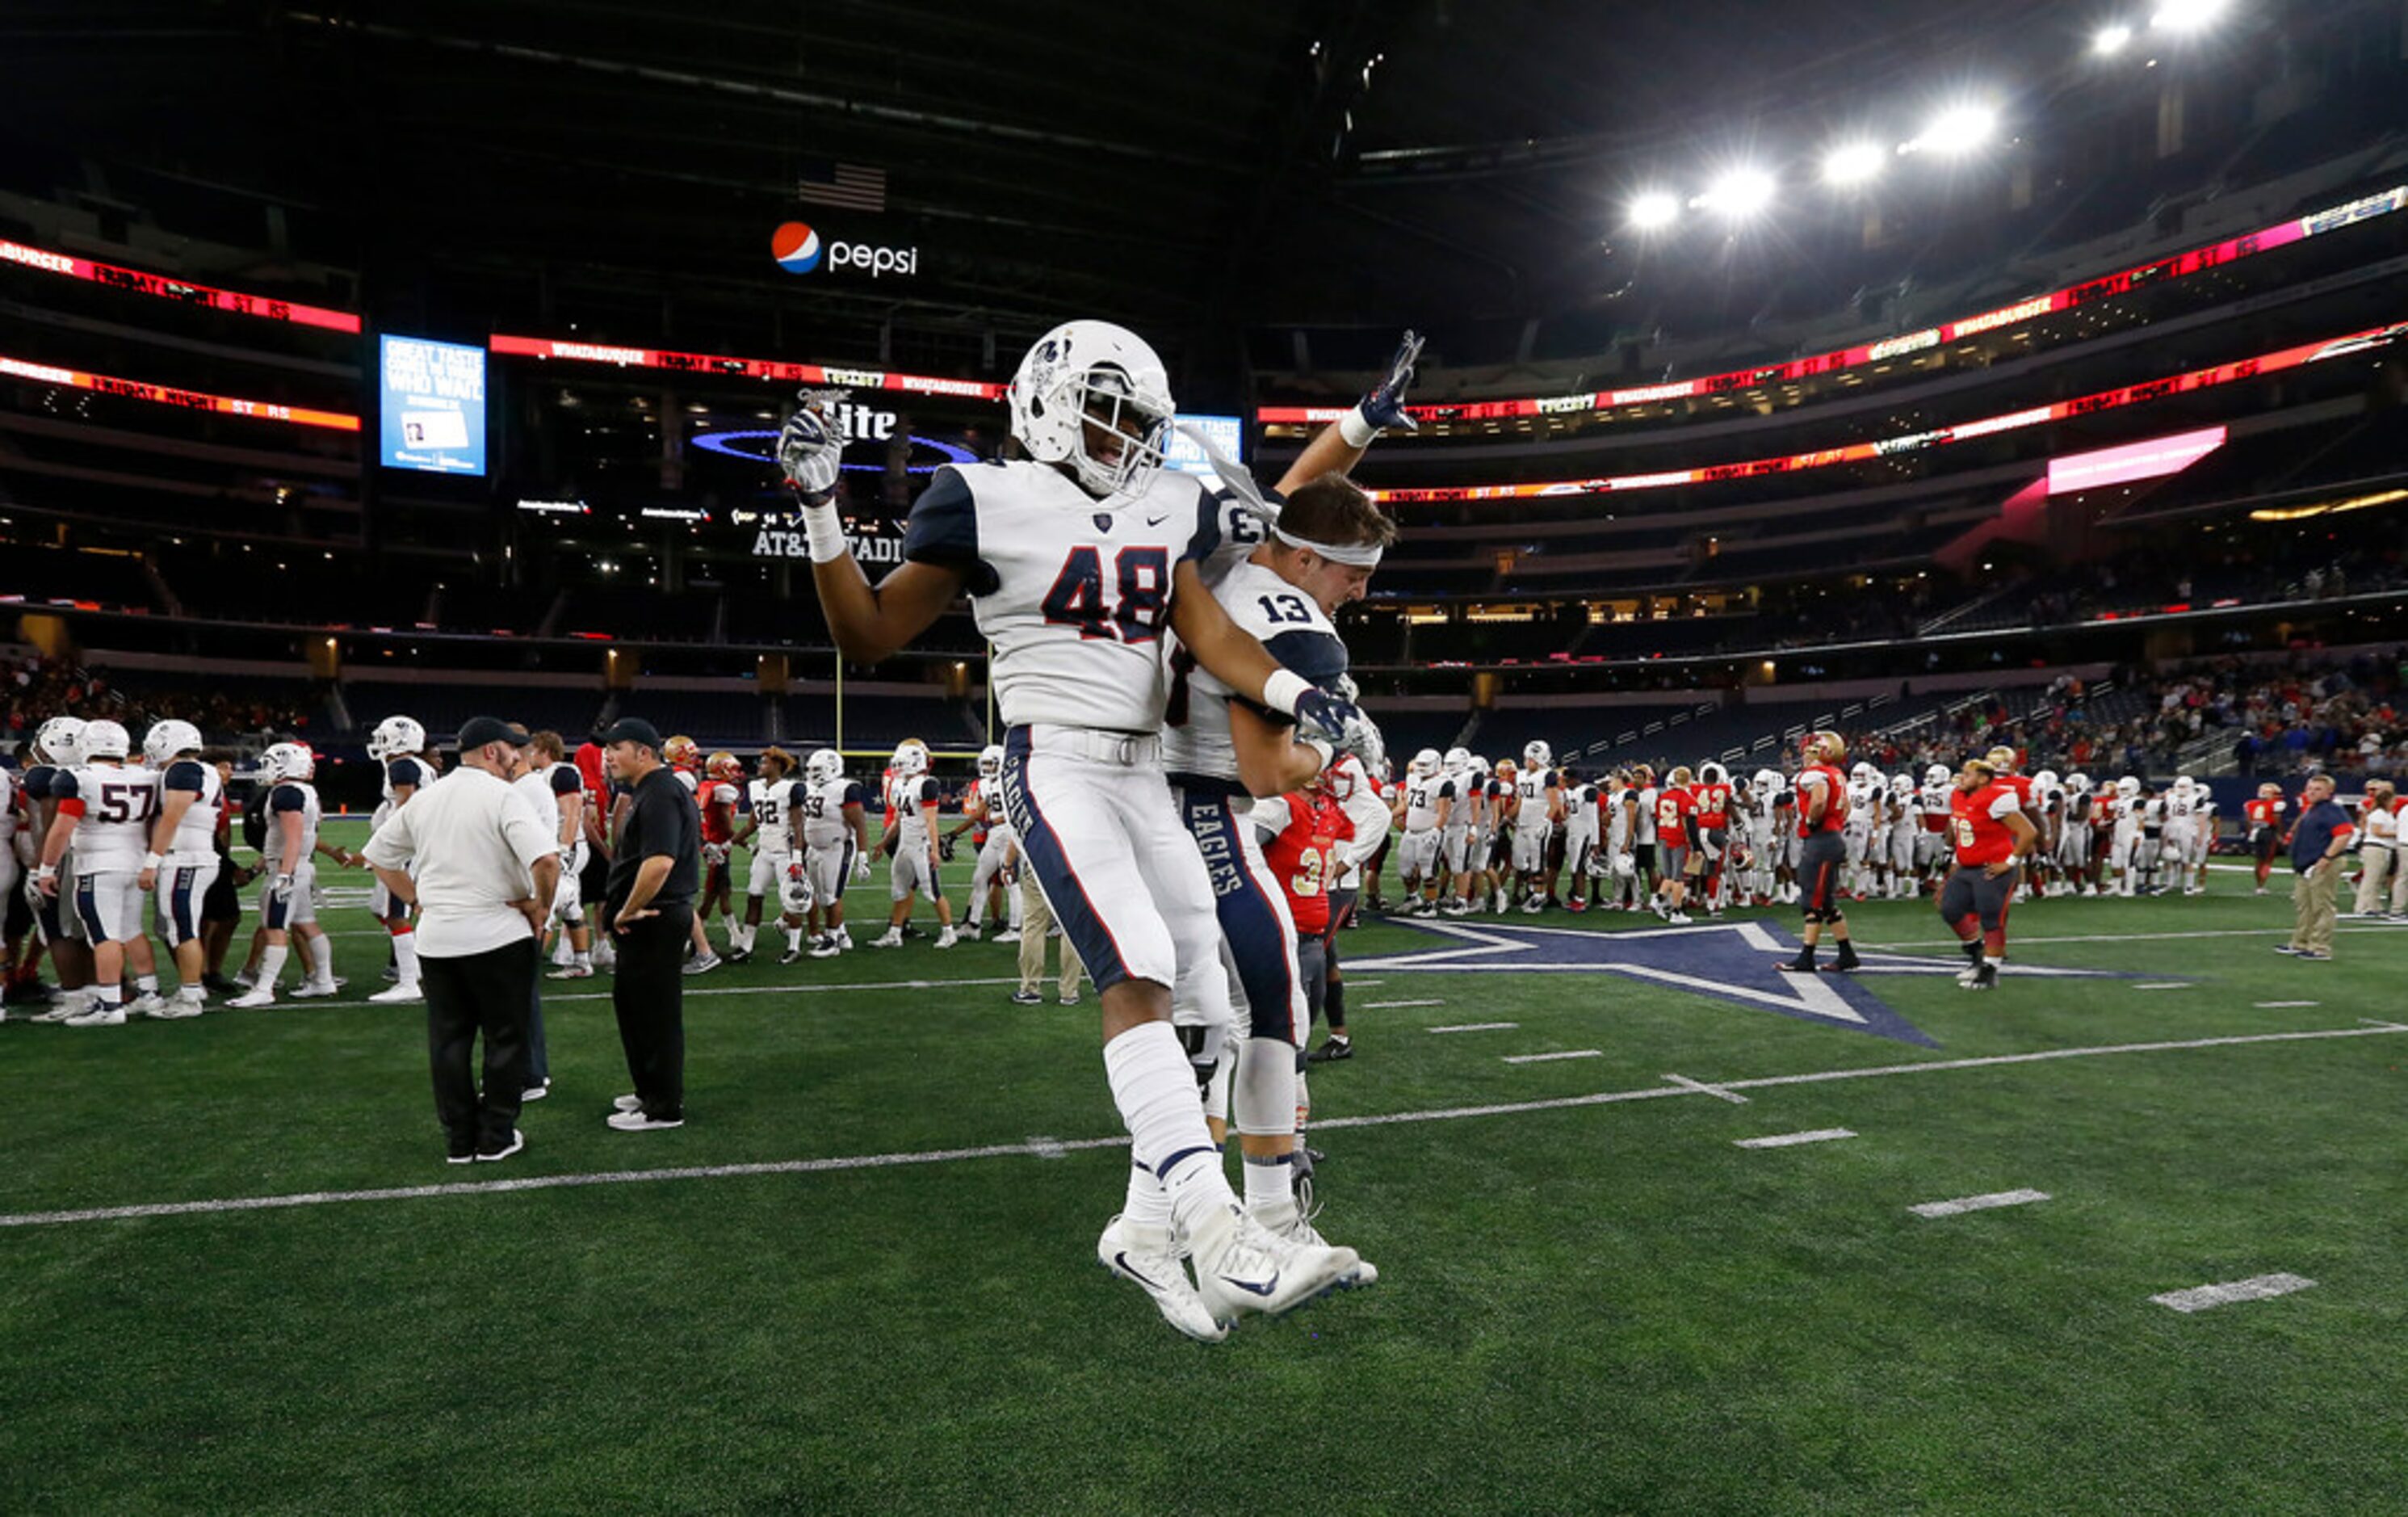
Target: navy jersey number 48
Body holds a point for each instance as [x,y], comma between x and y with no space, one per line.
[1135,609]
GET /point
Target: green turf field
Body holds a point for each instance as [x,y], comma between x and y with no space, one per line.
[1596,1307]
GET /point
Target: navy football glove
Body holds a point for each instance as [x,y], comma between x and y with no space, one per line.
[1385,407]
[1339,723]
[811,446]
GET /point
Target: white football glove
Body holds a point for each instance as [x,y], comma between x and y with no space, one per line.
[861,866]
[715,853]
[282,886]
[811,446]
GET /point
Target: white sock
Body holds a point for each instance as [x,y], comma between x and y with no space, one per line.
[1154,1086]
[321,954]
[794,940]
[1148,1204]
[405,957]
[189,992]
[146,984]
[1270,1181]
[271,964]
[109,996]
[562,953]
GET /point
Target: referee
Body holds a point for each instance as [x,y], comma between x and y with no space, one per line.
[486,868]
[648,909]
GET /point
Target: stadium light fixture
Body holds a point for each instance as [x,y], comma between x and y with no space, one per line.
[1653,211]
[1739,194]
[2187,15]
[1853,163]
[2112,39]
[1956,131]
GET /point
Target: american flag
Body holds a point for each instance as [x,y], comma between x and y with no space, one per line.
[852,185]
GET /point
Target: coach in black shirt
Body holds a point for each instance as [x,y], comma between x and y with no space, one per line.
[648,909]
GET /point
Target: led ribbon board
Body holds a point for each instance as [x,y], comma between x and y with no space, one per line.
[166,395]
[721,366]
[2178,266]
[2131,395]
[183,290]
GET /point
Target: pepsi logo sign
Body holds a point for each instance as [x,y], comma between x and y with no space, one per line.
[800,249]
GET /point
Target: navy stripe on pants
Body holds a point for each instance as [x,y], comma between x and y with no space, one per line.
[1249,922]
[1080,921]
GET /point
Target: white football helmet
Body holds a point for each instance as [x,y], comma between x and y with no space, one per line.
[795,891]
[2186,784]
[1537,754]
[287,761]
[1901,783]
[1936,776]
[59,740]
[990,762]
[105,739]
[1425,764]
[2045,780]
[1764,782]
[910,761]
[824,765]
[1093,372]
[2128,786]
[167,738]
[1864,773]
[1480,765]
[395,737]
[1456,760]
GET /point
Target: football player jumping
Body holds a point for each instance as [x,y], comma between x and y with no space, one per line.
[1076,560]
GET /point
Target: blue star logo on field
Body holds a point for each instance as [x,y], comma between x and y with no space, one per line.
[1731,962]
[795,247]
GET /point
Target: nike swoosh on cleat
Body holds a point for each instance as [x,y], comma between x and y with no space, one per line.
[1262,1290]
[1120,1262]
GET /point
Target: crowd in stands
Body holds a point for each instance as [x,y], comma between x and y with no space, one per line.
[34,690]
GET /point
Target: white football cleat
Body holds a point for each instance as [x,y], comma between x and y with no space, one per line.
[176,1009]
[566,971]
[1292,1219]
[399,993]
[891,938]
[315,990]
[1009,934]
[1243,1266]
[827,948]
[149,1004]
[946,938]
[97,1015]
[257,996]
[700,966]
[1148,1258]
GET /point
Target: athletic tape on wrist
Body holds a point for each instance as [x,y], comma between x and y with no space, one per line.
[824,530]
[1282,689]
[1356,428]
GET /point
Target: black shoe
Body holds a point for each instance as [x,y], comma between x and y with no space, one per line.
[491,1155]
[217,984]
[1985,978]
[1026,998]
[1797,966]
[25,994]
[1847,963]
[1331,1050]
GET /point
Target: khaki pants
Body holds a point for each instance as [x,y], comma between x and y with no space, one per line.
[2312,900]
[1036,925]
[2382,873]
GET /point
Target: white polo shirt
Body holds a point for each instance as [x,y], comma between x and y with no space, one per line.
[472,840]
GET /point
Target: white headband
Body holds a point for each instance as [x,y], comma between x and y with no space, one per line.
[1359,556]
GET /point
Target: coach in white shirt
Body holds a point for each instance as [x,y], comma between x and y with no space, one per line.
[485,868]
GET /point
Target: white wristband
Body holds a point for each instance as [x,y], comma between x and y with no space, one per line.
[824,530]
[45,872]
[1328,754]
[1280,691]
[152,861]
[1356,428]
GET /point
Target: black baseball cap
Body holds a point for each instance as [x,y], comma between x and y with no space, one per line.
[632,730]
[478,730]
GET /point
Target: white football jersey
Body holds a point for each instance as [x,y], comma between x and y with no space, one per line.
[986,805]
[1423,793]
[1241,533]
[1197,748]
[770,802]
[1073,593]
[196,831]
[824,823]
[1579,809]
[1466,787]
[1532,786]
[8,805]
[403,771]
[904,799]
[118,801]
[1646,816]
[2180,807]
[291,796]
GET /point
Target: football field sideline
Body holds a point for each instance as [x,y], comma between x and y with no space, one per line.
[1049,1148]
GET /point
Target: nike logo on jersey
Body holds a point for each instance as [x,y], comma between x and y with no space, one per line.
[1157,521]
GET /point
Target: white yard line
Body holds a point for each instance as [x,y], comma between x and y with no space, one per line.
[1718,1092]
[1548,1058]
[2255,1288]
[1050,1148]
[2019,941]
[1475,1027]
[1978,1203]
[1398,1005]
[2277,1005]
[1790,1140]
[2164,984]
